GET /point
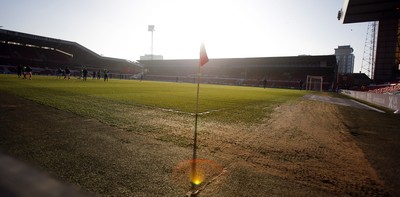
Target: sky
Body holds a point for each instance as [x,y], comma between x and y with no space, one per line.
[228,28]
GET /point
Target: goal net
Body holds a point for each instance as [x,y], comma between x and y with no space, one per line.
[314,83]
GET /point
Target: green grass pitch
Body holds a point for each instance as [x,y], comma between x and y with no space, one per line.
[93,97]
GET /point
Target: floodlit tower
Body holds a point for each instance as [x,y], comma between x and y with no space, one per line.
[368,60]
[151,29]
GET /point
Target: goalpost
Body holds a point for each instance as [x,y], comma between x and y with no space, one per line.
[312,82]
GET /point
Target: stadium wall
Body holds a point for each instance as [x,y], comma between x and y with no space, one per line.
[384,100]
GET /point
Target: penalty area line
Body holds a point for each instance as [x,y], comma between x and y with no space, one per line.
[182,112]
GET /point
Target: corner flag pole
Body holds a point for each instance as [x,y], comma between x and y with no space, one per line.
[195,129]
[203,60]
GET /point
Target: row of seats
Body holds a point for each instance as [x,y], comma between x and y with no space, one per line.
[386,89]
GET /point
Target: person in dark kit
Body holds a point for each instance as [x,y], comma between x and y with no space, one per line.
[94,75]
[301,84]
[29,72]
[85,72]
[24,72]
[98,75]
[81,74]
[59,73]
[105,74]
[19,71]
[67,73]
[265,83]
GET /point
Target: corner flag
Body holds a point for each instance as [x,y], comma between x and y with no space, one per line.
[203,60]
[203,55]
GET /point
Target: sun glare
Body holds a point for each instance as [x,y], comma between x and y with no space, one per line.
[205,170]
[198,178]
[218,24]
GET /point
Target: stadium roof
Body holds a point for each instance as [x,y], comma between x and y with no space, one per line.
[79,52]
[63,45]
[354,11]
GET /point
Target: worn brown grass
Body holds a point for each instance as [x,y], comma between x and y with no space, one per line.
[302,148]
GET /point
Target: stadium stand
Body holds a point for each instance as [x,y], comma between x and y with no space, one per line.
[282,72]
[354,81]
[386,89]
[45,55]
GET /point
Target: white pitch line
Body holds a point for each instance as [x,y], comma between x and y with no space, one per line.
[369,107]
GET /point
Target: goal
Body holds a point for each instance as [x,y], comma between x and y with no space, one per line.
[314,83]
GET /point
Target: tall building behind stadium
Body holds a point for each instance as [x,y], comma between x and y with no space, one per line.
[345,58]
